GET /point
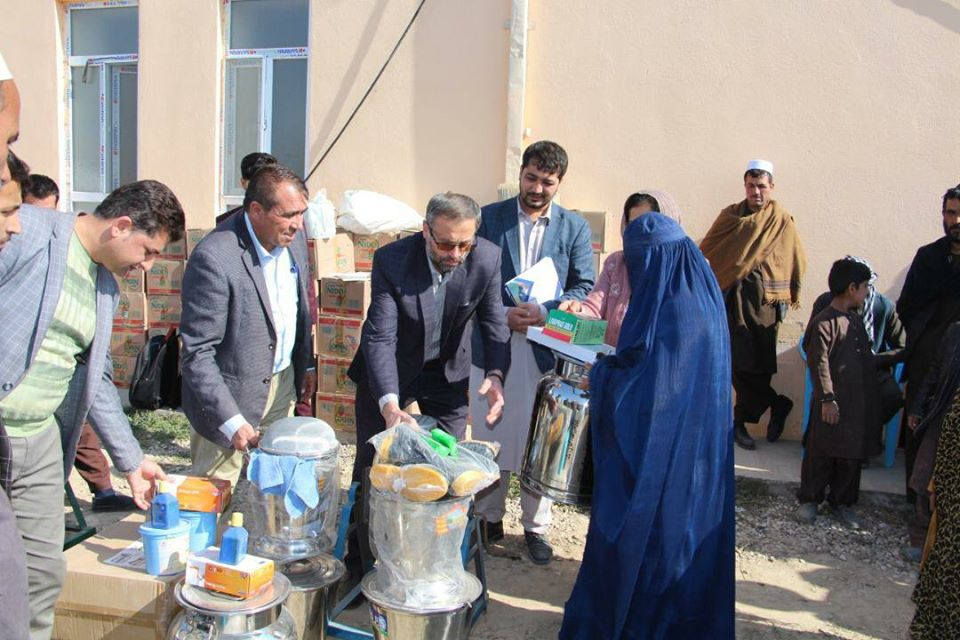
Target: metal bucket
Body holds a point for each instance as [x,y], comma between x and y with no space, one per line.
[210,615]
[313,585]
[557,463]
[390,620]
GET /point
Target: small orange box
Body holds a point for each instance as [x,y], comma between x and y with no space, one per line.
[241,580]
[210,495]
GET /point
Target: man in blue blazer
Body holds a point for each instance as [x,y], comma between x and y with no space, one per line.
[527,229]
[427,291]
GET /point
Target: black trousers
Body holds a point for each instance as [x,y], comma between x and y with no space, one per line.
[754,395]
[841,475]
[437,398]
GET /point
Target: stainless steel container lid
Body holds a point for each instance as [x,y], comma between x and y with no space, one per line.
[299,436]
[216,604]
[470,592]
[315,572]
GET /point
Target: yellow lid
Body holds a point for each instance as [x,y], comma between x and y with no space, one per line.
[165,487]
[236,519]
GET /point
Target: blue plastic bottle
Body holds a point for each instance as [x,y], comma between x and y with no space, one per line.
[165,508]
[233,546]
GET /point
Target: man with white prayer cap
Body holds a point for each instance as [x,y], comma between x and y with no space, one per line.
[14,610]
[756,254]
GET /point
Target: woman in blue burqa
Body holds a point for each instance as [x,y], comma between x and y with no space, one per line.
[659,558]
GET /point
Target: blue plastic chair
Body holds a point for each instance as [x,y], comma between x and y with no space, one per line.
[891,435]
[470,549]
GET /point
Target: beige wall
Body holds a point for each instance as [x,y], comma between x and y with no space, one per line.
[436,121]
[32,44]
[179,102]
[855,102]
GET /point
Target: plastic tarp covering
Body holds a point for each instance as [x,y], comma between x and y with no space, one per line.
[410,462]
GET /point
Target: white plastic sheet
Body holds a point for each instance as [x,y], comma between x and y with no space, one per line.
[321,217]
[367,212]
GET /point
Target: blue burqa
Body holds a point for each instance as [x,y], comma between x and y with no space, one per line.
[659,558]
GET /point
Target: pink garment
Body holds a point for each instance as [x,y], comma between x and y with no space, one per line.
[610,296]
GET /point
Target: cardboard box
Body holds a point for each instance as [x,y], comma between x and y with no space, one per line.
[100,600]
[127,342]
[337,337]
[123,367]
[346,295]
[175,250]
[131,311]
[163,311]
[604,230]
[165,277]
[194,236]
[209,495]
[334,255]
[132,282]
[365,246]
[241,580]
[332,376]
[575,329]
[338,411]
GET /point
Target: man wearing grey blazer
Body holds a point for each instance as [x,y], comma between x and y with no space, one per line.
[247,351]
[55,370]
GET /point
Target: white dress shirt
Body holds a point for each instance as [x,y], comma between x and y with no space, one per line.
[531,239]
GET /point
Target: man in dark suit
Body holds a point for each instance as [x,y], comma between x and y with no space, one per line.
[527,229]
[247,350]
[426,291]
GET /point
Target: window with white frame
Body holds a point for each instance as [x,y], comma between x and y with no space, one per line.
[102,45]
[265,94]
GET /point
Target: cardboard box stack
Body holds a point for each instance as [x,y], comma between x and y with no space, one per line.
[149,304]
[343,294]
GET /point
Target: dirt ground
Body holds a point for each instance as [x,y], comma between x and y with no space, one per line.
[793,581]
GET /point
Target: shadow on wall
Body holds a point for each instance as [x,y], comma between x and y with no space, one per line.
[946,13]
[351,77]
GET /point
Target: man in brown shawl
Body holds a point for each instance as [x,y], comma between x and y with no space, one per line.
[756,254]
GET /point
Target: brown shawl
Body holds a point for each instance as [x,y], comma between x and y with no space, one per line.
[740,241]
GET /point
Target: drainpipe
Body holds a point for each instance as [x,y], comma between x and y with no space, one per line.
[516,87]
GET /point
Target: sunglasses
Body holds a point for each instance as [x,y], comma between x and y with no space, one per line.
[464,246]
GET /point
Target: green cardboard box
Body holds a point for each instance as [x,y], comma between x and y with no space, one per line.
[569,327]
